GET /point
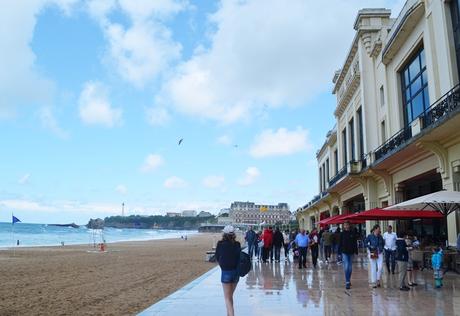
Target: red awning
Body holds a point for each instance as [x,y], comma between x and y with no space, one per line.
[380,214]
[339,219]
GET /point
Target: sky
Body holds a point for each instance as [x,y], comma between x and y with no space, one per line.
[95,96]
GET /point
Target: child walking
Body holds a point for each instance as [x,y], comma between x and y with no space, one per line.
[436,263]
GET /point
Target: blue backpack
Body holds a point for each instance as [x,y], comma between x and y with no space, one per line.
[244,265]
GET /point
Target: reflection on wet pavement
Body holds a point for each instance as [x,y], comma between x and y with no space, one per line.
[282,289]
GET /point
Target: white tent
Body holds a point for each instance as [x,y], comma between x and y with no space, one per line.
[445,202]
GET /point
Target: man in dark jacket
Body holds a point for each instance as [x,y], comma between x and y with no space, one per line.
[250,240]
[278,241]
[348,246]
[402,257]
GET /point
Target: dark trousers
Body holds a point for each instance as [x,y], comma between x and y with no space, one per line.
[390,256]
[272,250]
[286,250]
[327,252]
[302,257]
[265,253]
[277,252]
[314,255]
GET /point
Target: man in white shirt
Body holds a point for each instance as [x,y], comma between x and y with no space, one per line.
[390,249]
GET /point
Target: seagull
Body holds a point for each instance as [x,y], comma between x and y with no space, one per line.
[180,141]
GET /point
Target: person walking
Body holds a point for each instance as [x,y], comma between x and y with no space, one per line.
[374,244]
[314,242]
[328,240]
[410,262]
[268,243]
[258,244]
[250,238]
[401,257]
[302,242]
[278,241]
[321,244]
[286,241]
[390,249]
[228,256]
[436,263]
[348,247]
[336,245]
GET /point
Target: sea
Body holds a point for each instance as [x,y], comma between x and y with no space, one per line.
[33,235]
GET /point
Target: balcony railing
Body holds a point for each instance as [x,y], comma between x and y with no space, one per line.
[440,110]
[392,144]
[342,173]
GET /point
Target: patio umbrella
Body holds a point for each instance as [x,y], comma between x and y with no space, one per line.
[444,202]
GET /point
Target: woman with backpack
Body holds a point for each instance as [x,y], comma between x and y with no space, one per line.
[228,255]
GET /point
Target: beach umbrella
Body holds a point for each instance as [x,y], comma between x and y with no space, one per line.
[444,202]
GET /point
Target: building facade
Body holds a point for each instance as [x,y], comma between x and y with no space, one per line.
[251,213]
[397,116]
[188,213]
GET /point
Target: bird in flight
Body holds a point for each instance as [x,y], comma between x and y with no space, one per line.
[180,141]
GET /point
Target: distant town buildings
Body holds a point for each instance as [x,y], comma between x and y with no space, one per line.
[251,213]
[397,116]
[173,214]
[189,213]
[204,214]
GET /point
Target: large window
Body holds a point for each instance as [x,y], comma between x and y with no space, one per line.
[361,133]
[351,126]
[415,87]
[336,161]
[344,146]
[455,12]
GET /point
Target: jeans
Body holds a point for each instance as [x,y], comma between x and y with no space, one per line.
[277,252]
[302,257]
[327,252]
[375,265]
[390,256]
[259,251]
[314,254]
[339,255]
[402,266]
[347,266]
[250,249]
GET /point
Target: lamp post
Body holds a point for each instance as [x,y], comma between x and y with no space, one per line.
[123,209]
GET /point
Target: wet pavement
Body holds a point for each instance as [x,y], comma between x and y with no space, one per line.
[282,289]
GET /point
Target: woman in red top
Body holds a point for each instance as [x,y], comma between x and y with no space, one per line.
[268,243]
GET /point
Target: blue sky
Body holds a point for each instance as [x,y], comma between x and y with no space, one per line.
[97,94]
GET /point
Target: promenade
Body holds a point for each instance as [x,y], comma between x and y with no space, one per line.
[280,289]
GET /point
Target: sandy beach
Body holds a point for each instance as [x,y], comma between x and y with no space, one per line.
[125,280]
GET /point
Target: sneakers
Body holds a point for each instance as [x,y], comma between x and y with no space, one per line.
[348,286]
[405,288]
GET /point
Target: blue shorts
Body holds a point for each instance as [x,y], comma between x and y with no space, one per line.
[230,276]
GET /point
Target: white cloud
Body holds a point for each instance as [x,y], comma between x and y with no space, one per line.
[175,183]
[244,69]
[213,182]
[224,140]
[24,205]
[143,50]
[157,116]
[121,189]
[95,107]
[24,179]
[50,122]
[280,143]
[250,176]
[152,162]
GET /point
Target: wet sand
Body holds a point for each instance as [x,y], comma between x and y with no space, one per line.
[76,280]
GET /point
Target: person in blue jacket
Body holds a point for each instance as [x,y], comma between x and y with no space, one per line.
[436,263]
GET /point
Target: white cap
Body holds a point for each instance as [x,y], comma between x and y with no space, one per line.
[229,229]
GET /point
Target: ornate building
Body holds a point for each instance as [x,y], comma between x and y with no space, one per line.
[397,115]
[251,213]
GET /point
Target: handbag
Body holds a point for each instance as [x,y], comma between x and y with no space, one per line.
[374,254]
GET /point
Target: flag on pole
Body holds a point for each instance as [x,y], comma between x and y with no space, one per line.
[15,219]
[263,208]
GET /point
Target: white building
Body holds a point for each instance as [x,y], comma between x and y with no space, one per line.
[397,116]
[173,214]
[251,213]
